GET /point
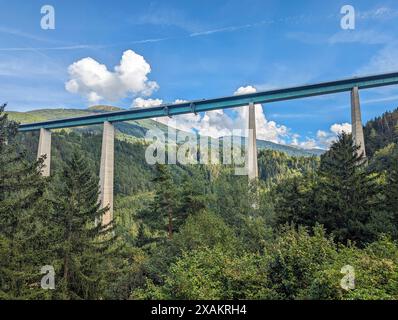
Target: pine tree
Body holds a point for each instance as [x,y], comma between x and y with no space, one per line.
[347,197]
[391,192]
[293,200]
[142,239]
[20,181]
[21,189]
[80,245]
[194,194]
[164,206]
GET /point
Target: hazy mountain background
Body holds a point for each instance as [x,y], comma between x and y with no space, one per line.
[133,130]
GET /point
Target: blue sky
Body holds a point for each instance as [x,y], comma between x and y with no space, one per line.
[201,49]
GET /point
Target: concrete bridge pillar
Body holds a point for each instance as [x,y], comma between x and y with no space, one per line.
[356,121]
[252,165]
[107,171]
[45,149]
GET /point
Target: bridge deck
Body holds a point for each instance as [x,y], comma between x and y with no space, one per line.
[221,103]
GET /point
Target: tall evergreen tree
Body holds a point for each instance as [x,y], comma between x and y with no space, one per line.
[391,192]
[344,196]
[195,195]
[21,188]
[80,245]
[293,200]
[20,181]
[347,197]
[161,212]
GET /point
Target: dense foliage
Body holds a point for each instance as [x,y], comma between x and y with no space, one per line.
[200,232]
[381,131]
[342,195]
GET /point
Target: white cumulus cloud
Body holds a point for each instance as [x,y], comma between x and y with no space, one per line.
[309,144]
[95,82]
[340,128]
[266,130]
[219,123]
[325,138]
[185,122]
[146,103]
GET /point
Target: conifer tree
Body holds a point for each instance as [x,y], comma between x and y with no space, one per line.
[293,201]
[194,194]
[80,244]
[164,206]
[347,197]
[20,181]
[21,189]
[391,192]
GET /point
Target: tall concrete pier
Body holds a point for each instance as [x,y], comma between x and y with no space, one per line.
[45,149]
[107,171]
[252,165]
[356,121]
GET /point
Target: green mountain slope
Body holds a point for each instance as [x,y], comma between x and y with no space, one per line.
[381,131]
[290,150]
[133,130]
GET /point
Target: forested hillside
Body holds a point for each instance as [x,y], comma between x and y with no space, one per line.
[199,232]
[381,132]
[136,130]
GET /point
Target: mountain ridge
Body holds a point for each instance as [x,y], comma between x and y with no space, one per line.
[136,129]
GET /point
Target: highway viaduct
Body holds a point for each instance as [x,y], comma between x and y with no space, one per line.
[352,85]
